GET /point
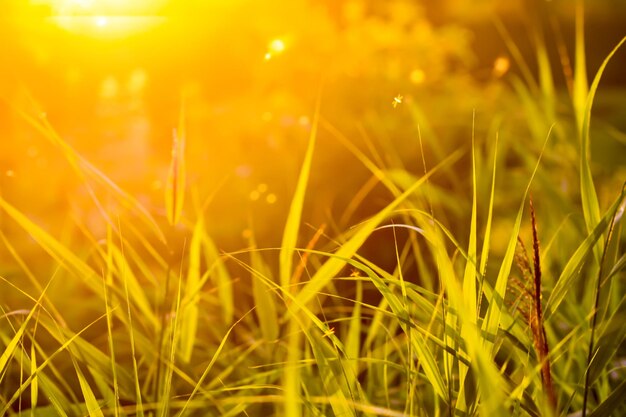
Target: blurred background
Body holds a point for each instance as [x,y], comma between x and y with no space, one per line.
[110,77]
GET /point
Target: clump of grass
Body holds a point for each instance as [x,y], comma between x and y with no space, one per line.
[322,329]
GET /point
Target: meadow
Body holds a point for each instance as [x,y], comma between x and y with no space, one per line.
[338,209]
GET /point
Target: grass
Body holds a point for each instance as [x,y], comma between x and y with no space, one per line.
[463,324]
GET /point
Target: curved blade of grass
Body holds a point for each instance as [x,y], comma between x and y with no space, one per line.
[332,373]
[422,351]
[85,170]
[292,226]
[208,368]
[55,249]
[140,299]
[571,270]
[42,366]
[333,265]
[8,352]
[263,297]
[49,388]
[93,407]
[614,402]
[591,207]
[92,356]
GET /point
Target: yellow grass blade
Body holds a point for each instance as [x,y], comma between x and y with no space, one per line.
[292,226]
[332,266]
[176,178]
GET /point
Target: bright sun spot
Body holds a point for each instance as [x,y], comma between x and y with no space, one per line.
[119,17]
[101,21]
[277,46]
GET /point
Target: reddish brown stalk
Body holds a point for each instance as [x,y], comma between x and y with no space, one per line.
[527,302]
[536,323]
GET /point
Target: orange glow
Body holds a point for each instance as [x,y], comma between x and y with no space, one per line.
[500,66]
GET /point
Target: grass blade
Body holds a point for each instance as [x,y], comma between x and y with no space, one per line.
[332,266]
[292,226]
[494,311]
[176,178]
[591,207]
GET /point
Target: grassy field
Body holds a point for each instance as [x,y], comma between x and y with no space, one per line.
[484,279]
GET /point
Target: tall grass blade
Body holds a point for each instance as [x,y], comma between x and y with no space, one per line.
[191,309]
[209,367]
[55,249]
[332,266]
[26,383]
[221,278]
[176,178]
[470,275]
[93,408]
[264,298]
[579,95]
[87,171]
[292,226]
[11,347]
[494,311]
[613,403]
[571,271]
[591,207]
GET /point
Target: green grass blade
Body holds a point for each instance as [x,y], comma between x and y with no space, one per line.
[209,367]
[332,266]
[264,299]
[484,254]
[292,226]
[591,207]
[469,276]
[493,316]
[613,403]
[571,270]
[55,249]
[579,95]
[93,407]
[221,279]
[176,178]
[11,347]
[42,366]
[49,388]
[190,309]
[87,171]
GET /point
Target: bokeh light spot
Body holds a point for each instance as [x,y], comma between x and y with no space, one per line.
[417,76]
[277,46]
[271,198]
[500,66]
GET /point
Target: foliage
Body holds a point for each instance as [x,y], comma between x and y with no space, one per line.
[405,302]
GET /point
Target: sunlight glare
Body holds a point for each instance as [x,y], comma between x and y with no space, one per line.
[275,47]
[101,21]
[119,17]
